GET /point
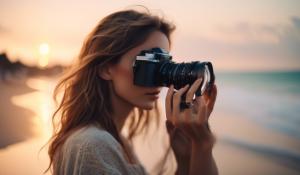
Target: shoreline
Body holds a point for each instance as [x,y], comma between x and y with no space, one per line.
[16,121]
[244,146]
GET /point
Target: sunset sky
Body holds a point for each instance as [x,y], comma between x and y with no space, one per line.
[233,34]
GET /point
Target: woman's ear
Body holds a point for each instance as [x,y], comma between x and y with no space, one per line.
[105,72]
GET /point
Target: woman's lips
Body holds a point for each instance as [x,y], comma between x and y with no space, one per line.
[153,95]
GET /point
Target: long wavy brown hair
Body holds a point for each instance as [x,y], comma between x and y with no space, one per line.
[85,95]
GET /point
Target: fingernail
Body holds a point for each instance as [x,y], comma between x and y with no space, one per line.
[199,80]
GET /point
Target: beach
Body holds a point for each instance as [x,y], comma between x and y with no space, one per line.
[246,148]
[13,116]
[245,143]
[25,125]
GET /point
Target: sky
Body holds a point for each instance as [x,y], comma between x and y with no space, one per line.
[238,35]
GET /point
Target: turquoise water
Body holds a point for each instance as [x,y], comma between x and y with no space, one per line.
[272,99]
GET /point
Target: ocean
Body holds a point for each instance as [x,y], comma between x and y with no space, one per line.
[271,99]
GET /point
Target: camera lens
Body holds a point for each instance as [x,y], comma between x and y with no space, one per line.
[184,73]
[206,80]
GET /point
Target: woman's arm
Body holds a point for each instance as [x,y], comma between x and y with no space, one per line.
[183,167]
[202,161]
[197,159]
[193,123]
[181,146]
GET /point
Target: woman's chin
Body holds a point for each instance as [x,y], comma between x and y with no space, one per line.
[147,106]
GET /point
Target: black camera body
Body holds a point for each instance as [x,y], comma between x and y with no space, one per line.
[154,68]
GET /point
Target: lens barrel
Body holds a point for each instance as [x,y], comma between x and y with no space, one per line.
[180,74]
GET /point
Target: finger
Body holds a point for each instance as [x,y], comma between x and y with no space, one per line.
[195,107]
[192,90]
[188,113]
[202,109]
[168,103]
[177,99]
[189,98]
[213,97]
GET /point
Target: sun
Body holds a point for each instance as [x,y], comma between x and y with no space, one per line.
[44,51]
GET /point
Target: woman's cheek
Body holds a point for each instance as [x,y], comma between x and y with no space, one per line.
[124,81]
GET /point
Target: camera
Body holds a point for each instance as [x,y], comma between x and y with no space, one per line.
[154,67]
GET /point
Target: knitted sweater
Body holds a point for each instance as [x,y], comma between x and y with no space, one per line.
[90,151]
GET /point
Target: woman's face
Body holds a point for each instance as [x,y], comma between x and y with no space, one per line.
[122,75]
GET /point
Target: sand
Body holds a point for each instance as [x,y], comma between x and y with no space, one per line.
[15,121]
[244,147]
[20,139]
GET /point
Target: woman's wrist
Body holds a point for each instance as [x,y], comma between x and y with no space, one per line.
[202,161]
[183,166]
[182,157]
[204,145]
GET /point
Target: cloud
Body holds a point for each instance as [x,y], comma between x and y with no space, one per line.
[290,39]
[245,32]
[244,44]
[3,29]
[296,22]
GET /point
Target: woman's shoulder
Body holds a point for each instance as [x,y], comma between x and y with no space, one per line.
[91,136]
[93,150]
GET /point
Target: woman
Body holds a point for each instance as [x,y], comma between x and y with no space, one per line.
[99,95]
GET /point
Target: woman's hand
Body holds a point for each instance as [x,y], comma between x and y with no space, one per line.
[188,128]
[192,121]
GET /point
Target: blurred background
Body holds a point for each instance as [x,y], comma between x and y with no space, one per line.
[254,46]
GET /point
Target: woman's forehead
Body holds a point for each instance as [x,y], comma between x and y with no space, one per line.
[156,39]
